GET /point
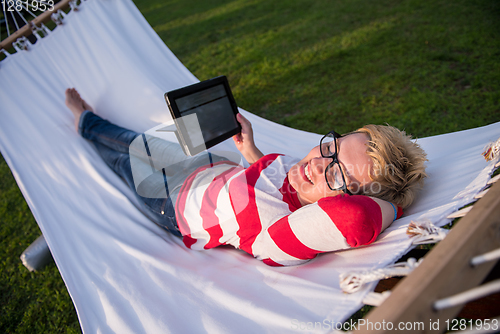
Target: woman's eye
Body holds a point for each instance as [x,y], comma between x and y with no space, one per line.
[331,148]
[325,148]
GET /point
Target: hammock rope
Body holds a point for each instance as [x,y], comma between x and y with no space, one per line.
[40,32]
[21,44]
[53,11]
[467,296]
[58,17]
[376,298]
[351,282]
[486,257]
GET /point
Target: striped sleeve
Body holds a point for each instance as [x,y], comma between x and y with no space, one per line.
[331,224]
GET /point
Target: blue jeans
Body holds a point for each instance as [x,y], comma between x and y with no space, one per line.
[112,142]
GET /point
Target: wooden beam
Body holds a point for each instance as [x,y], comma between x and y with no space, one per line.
[445,271]
[26,29]
[484,308]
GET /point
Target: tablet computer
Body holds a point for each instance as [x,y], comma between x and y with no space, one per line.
[204,114]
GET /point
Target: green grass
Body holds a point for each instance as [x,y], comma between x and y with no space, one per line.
[426,66]
[29,302]
[429,67]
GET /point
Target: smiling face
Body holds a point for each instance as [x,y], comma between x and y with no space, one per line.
[307,177]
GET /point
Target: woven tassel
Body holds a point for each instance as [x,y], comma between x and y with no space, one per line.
[425,232]
[492,150]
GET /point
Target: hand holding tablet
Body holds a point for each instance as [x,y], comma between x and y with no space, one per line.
[204,114]
[244,141]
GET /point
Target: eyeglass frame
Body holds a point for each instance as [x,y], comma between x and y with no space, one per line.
[335,159]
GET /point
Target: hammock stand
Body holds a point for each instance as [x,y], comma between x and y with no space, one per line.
[445,271]
[453,266]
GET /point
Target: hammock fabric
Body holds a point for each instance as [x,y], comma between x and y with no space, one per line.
[124,273]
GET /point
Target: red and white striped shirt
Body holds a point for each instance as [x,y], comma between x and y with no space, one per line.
[256,210]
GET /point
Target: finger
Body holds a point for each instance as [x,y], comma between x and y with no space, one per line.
[245,123]
[237,138]
[246,128]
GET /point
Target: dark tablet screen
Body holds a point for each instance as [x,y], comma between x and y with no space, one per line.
[213,104]
[213,109]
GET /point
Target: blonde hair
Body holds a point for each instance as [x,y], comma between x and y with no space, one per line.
[398,164]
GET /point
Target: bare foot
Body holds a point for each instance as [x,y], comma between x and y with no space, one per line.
[76,104]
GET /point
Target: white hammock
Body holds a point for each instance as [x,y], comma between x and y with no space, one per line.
[125,274]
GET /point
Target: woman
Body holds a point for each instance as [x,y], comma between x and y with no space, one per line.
[280,210]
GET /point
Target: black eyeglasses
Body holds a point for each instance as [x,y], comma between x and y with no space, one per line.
[334,174]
